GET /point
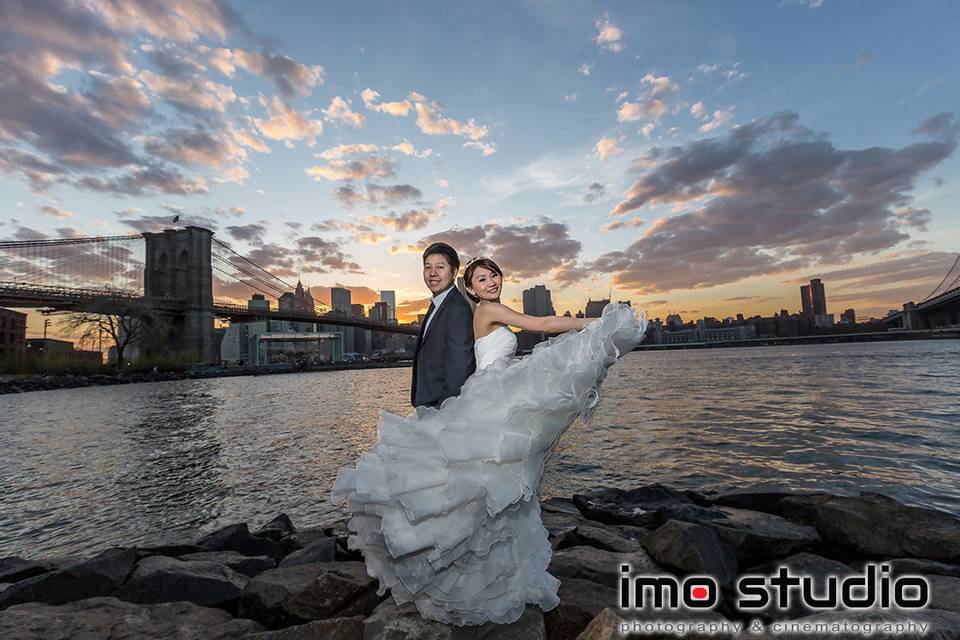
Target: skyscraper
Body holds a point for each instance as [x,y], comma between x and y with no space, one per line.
[813,299]
[390,297]
[358,310]
[340,299]
[537,302]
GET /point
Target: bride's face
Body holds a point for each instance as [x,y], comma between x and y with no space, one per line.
[486,284]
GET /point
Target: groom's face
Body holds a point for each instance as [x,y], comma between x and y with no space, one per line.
[437,273]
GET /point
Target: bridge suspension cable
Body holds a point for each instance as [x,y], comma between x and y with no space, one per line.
[953,283]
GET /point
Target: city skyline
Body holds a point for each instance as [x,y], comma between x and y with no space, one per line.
[674,155]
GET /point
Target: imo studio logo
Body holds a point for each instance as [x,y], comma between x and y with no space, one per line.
[755,593]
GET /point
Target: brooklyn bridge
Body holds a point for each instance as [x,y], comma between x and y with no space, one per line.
[187,275]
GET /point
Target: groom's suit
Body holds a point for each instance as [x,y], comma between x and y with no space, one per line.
[444,357]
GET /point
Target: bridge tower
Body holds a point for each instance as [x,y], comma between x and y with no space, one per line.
[178,266]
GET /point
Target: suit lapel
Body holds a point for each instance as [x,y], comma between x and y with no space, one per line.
[436,315]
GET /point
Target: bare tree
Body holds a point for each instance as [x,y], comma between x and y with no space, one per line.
[125,321]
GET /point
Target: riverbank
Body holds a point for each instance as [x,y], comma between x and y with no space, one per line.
[24,384]
[277,581]
[834,338]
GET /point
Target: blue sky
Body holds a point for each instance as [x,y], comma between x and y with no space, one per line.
[697,157]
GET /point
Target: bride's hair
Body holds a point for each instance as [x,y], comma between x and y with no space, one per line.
[472,265]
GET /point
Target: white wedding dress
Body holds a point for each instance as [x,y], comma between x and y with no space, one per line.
[445,506]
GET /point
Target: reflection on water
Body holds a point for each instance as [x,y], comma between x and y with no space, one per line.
[82,469]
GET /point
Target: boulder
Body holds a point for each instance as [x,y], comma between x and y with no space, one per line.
[638,507]
[693,548]
[294,595]
[171,550]
[331,629]
[944,593]
[15,569]
[276,529]
[236,537]
[876,526]
[320,550]
[755,536]
[561,528]
[923,567]
[161,579]
[392,622]
[597,565]
[608,537]
[580,602]
[766,501]
[802,564]
[118,620]
[246,565]
[98,576]
[560,505]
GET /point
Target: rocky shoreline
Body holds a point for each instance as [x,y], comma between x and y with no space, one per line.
[279,582]
[24,384]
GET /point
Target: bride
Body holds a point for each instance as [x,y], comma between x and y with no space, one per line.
[444,506]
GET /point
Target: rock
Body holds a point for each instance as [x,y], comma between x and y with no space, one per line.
[561,528]
[15,569]
[246,565]
[637,507]
[941,625]
[872,525]
[392,622]
[560,505]
[320,550]
[236,537]
[117,620]
[332,629]
[755,536]
[597,565]
[580,602]
[944,593]
[608,537]
[605,626]
[766,501]
[161,579]
[98,576]
[802,564]
[900,566]
[693,548]
[276,529]
[171,550]
[301,593]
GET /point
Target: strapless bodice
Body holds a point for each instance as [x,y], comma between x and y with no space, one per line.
[499,343]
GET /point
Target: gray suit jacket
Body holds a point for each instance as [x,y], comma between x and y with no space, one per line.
[444,357]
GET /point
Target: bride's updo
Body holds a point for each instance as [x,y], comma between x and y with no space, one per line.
[472,265]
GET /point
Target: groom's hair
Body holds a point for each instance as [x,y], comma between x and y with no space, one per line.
[445,250]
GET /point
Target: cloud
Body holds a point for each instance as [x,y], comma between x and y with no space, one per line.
[146,179]
[340,111]
[720,118]
[442,183]
[698,111]
[586,69]
[408,221]
[650,103]
[631,223]
[607,147]
[371,101]
[359,232]
[56,212]
[609,36]
[159,223]
[374,194]
[409,150]
[775,197]
[360,169]
[916,218]
[252,233]
[290,77]
[431,122]
[595,192]
[522,251]
[487,148]
[286,124]
[728,73]
[407,310]
[341,150]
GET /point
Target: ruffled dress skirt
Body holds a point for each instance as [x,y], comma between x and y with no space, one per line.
[445,506]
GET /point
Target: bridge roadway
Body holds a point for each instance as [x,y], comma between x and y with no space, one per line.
[21,295]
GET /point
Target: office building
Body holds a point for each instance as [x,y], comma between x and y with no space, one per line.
[595,307]
[813,299]
[13,335]
[537,302]
[390,299]
[340,299]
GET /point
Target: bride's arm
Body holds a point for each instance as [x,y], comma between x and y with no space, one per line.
[496,313]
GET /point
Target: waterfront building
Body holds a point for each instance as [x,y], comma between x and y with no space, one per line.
[595,307]
[358,310]
[381,311]
[813,299]
[258,302]
[340,299]
[848,317]
[299,348]
[13,336]
[300,301]
[60,351]
[537,301]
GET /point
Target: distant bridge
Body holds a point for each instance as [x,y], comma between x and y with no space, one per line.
[176,272]
[941,308]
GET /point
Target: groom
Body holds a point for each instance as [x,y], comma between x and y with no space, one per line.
[444,357]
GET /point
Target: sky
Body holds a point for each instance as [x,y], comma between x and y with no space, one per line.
[694,157]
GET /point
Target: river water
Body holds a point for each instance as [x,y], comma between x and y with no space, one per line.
[84,469]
